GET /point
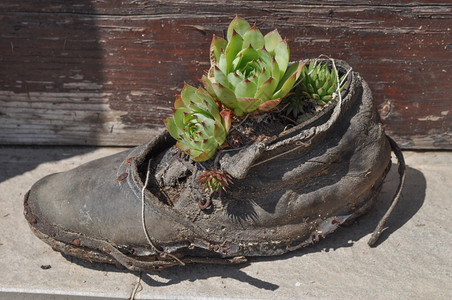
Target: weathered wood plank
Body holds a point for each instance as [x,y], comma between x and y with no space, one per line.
[100,73]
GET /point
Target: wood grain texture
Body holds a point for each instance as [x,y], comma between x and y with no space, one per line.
[107,72]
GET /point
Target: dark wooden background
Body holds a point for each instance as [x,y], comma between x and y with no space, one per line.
[107,72]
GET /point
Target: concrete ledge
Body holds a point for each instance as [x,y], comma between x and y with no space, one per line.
[412,260]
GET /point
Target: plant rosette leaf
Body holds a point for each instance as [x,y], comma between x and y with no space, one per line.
[319,83]
[197,124]
[250,71]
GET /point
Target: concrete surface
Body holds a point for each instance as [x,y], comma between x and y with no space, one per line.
[412,260]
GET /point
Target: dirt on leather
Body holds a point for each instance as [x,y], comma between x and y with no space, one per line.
[255,128]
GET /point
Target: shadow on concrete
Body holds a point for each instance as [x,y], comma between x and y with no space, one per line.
[20,159]
[175,275]
[201,272]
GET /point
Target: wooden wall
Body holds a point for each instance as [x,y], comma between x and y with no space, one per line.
[107,72]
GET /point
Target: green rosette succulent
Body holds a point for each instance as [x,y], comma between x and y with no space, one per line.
[319,83]
[197,124]
[250,71]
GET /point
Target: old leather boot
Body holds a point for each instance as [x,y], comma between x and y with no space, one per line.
[141,208]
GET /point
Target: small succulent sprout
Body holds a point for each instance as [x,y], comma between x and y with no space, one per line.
[295,105]
[214,180]
[250,71]
[319,83]
[197,124]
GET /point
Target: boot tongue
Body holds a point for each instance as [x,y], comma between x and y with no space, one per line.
[238,164]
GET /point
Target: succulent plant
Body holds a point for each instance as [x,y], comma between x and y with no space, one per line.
[250,71]
[296,104]
[197,124]
[214,180]
[319,83]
